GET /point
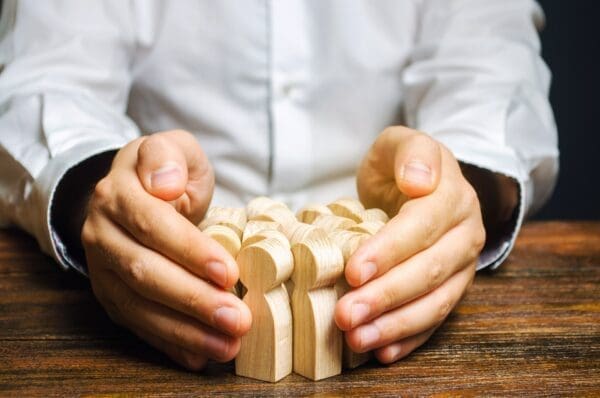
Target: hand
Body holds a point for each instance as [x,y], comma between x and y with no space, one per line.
[411,274]
[150,266]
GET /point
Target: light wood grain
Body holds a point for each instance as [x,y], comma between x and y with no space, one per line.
[231,217]
[266,350]
[317,340]
[375,215]
[367,227]
[330,222]
[309,212]
[349,208]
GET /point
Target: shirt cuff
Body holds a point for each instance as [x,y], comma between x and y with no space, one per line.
[495,252]
[501,160]
[43,196]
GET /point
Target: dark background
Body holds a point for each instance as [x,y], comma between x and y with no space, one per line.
[571,47]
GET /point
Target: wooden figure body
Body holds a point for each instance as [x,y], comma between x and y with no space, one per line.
[317,340]
[309,212]
[262,204]
[367,227]
[231,217]
[376,215]
[348,242]
[227,237]
[266,350]
[253,227]
[349,208]
[331,222]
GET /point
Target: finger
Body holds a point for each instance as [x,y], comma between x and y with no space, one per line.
[187,359]
[413,318]
[415,277]
[171,165]
[156,225]
[418,225]
[417,162]
[159,279]
[400,349]
[140,314]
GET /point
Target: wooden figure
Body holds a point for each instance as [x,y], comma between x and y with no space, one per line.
[266,234]
[376,215]
[349,208]
[279,215]
[232,217]
[299,231]
[260,205]
[348,242]
[330,222]
[266,350]
[226,237]
[367,227]
[253,227]
[309,212]
[317,340]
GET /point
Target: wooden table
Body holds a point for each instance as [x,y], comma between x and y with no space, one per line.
[532,327]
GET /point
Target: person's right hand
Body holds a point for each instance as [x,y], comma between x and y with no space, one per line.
[150,267]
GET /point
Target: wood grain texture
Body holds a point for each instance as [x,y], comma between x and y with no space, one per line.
[318,264]
[530,328]
[266,350]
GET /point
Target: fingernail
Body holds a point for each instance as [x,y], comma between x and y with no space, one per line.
[228,319]
[369,335]
[367,271]
[217,345]
[416,172]
[358,313]
[165,176]
[394,351]
[217,272]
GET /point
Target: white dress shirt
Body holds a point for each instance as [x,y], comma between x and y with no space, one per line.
[284,96]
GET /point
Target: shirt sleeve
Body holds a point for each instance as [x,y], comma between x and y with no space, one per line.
[64,82]
[476,83]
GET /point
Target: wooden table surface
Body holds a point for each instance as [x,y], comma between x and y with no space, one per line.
[530,328]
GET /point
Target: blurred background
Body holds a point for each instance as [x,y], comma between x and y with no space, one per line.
[571,47]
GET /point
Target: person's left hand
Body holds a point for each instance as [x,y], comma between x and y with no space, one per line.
[411,274]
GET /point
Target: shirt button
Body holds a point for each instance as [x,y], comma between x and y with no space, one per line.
[289,90]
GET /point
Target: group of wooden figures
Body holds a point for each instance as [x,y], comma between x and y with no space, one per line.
[291,276]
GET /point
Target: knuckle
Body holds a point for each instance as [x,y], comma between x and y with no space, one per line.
[113,313]
[445,305]
[136,270]
[187,247]
[470,198]
[88,234]
[479,237]
[102,192]
[435,274]
[127,305]
[179,333]
[193,361]
[194,301]
[144,226]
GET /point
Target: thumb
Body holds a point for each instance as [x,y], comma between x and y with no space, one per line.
[172,166]
[417,164]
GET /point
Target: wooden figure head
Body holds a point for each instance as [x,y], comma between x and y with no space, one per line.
[319,263]
[265,265]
